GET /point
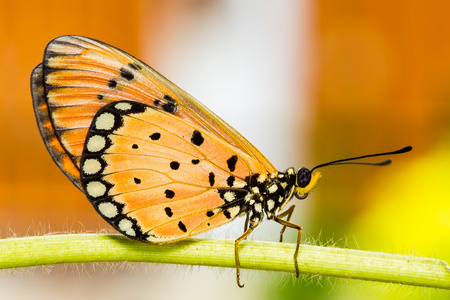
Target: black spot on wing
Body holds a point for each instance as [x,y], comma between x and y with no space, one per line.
[182,226]
[134,146]
[137,180]
[168,211]
[155,136]
[169,194]
[195,161]
[135,66]
[112,83]
[230,180]
[170,106]
[127,74]
[100,97]
[231,162]
[209,213]
[197,138]
[174,165]
[212,178]
[227,214]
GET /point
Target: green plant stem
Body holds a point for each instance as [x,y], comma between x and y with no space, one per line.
[327,261]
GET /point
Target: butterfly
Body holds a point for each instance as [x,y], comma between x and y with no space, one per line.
[154,162]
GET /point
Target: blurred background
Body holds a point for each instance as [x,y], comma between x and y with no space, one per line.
[305,81]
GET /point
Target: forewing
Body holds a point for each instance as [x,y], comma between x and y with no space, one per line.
[81,75]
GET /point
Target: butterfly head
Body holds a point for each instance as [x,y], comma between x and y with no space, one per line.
[307,179]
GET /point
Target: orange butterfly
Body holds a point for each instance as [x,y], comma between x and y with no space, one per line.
[154,162]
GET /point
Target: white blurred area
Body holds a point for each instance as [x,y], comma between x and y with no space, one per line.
[248,61]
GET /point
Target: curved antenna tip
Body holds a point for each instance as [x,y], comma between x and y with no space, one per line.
[406,149]
[384,163]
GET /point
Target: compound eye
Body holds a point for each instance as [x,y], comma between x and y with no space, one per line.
[303,177]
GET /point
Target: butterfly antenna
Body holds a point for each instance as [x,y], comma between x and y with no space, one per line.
[349,161]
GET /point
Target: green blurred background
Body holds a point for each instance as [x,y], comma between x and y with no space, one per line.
[305,81]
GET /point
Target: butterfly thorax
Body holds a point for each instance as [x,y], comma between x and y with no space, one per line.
[267,194]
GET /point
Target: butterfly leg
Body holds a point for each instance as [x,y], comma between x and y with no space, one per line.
[287,213]
[246,222]
[236,253]
[299,237]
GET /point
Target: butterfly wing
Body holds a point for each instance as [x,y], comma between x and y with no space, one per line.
[154,162]
[48,133]
[153,176]
[81,75]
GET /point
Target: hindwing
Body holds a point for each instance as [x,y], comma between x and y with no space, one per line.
[156,177]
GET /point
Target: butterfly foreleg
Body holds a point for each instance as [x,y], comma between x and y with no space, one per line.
[285,224]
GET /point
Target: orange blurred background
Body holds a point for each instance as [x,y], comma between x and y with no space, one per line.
[307,82]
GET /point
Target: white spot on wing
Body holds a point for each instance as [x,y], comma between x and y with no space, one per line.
[91,166]
[239,184]
[228,196]
[124,106]
[96,143]
[105,121]
[108,209]
[258,207]
[233,211]
[95,189]
[127,226]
